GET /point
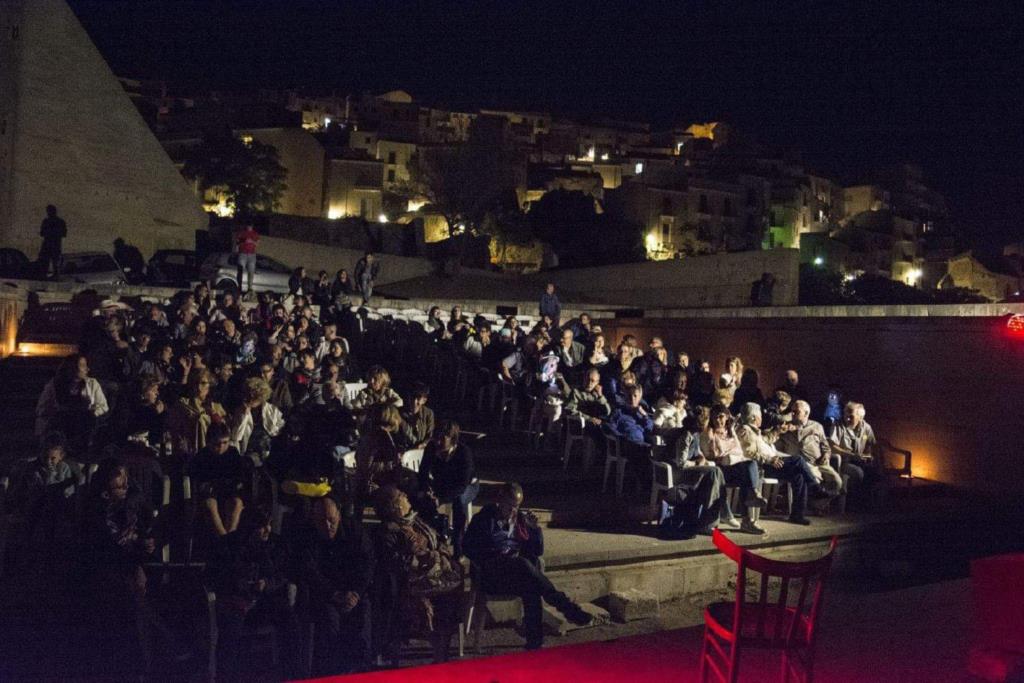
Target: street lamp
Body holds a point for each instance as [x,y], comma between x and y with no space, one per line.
[819,261]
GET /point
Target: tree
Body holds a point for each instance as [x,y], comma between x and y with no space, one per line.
[569,222]
[464,182]
[248,173]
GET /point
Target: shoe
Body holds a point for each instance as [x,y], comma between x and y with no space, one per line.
[706,531]
[750,527]
[577,615]
[731,523]
[802,521]
[754,500]
[534,643]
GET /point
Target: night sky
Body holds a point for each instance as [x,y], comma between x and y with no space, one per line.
[854,85]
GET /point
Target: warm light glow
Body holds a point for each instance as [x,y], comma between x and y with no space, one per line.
[590,154]
[246,140]
[639,167]
[913,276]
[604,157]
[383,218]
[334,213]
[223,209]
[849,277]
[327,121]
[45,350]
[652,242]
[416,204]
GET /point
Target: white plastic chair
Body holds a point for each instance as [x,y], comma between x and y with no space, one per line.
[411,459]
[613,457]
[661,481]
[575,426]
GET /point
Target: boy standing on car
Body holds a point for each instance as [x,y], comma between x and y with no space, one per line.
[53,231]
[246,238]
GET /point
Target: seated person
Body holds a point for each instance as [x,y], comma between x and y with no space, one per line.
[633,421]
[795,470]
[378,392]
[219,474]
[571,354]
[588,401]
[333,563]
[246,571]
[118,540]
[670,416]
[426,574]
[697,498]
[256,422]
[417,418]
[446,476]
[747,392]
[719,444]
[144,470]
[142,411]
[806,438]
[378,459]
[506,544]
[855,441]
[41,493]
[329,432]
[777,412]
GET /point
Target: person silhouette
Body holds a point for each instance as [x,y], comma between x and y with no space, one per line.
[53,230]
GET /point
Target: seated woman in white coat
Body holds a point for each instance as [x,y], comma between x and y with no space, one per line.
[256,422]
[71,403]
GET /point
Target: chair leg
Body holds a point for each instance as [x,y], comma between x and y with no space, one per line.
[607,470]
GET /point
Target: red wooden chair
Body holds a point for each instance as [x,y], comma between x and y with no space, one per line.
[768,623]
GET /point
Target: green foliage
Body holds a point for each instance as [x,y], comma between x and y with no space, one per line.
[568,221]
[250,175]
[821,287]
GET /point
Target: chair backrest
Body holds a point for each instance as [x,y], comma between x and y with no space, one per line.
[778,623]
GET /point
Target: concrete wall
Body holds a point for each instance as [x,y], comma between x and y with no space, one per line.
[698,282]
[73,138]
[317,257]
[948,389]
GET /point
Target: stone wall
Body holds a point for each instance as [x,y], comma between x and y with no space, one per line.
[72,137]
[316,257]
[721,280]
[948,389]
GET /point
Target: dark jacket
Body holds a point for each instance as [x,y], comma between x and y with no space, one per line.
[550,306]
[487,537]
[448,478]
[628,424]
[342,564]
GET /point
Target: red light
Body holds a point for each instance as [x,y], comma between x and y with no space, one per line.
[1015,325]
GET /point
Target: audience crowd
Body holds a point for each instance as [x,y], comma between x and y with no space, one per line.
[247,442]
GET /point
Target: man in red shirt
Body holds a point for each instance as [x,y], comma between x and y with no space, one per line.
[246,238]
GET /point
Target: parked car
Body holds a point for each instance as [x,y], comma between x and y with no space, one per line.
[50,330]
[91,268]
[173,268]
[221,271]
[14,264]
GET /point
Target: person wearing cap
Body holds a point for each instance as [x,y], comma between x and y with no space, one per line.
[758,447]
[505,543]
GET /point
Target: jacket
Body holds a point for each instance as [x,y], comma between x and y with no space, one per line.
[588,403]
[808,441]
[47,406]
[342,564]
[242,424]
[755,446]
[447,477]
[550,306]
[488,536]
[627,423]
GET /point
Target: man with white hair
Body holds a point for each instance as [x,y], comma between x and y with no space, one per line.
[854,439]
[806,438]
[758,447]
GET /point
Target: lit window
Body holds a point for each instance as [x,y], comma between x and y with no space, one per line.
[639,168]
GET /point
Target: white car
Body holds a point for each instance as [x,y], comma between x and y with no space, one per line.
[91,268]
[221,271]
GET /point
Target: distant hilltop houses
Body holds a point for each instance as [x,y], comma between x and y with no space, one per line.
[694,188]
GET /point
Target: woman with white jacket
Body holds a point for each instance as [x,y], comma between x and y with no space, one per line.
[67,398]
[256,421]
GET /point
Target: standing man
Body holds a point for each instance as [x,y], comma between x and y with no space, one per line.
[246,238]
[53,230]
[367,271]
[550,306]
